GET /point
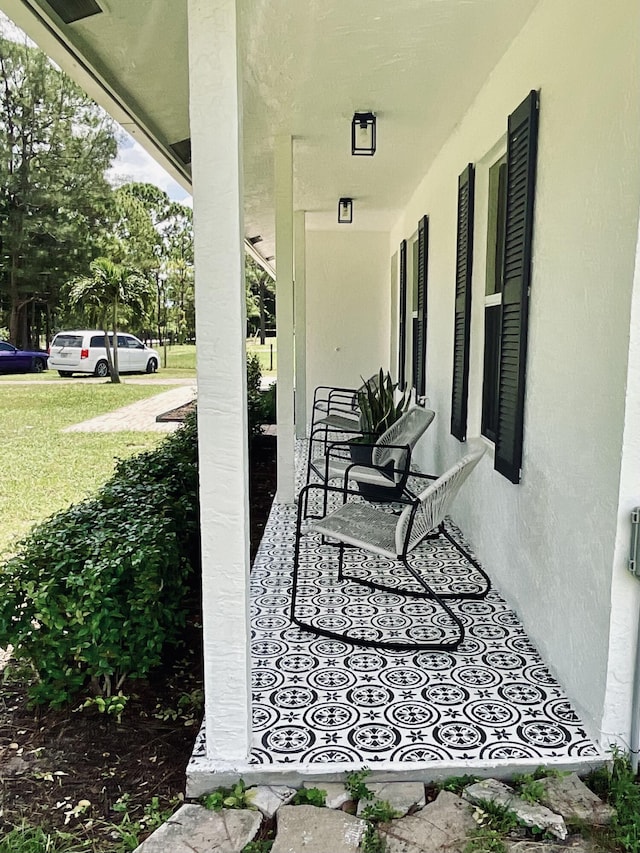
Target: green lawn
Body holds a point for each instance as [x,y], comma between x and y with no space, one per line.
[181,359]
[181,364]
[268,362]
[45,470]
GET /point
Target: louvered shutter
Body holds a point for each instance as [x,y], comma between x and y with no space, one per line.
[462,328]
[421,330]
[402,325]
[522,140]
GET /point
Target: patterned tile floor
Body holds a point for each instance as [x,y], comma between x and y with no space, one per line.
[318,701]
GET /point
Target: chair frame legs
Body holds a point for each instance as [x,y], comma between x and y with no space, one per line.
[426,593]
[466,596]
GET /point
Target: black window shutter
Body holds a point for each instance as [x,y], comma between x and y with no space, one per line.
[522,138]
[462,327]
[402,325]
[421,331]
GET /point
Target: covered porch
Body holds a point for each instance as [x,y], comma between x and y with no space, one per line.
[250,104]
[322,707]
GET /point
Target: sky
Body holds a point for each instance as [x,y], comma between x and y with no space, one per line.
[134,164]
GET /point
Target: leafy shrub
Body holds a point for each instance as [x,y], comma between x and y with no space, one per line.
[237,797]
[355,784]
[96,592]
[379,812]
[255,400]
[269,404]
[619,786]
[456,784]
[310,797]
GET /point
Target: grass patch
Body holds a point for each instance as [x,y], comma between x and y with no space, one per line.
[33,839]
[180,359]
[44,470]
[181,364]
[268,362]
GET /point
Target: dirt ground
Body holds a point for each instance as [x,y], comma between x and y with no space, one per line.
[52,763]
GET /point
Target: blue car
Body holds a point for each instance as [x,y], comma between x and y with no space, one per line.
[14,360]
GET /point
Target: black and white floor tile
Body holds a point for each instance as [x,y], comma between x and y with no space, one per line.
[324,701]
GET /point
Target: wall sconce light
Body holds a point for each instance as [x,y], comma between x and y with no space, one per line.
[363,134]
[345,210]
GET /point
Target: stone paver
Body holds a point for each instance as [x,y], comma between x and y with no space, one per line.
[269,798]
[307,829]
[337,794]
[445,825]
[570,797]
[140,416]
[194,829]
[401,796]
[575,845]
[440,827]
[529,814]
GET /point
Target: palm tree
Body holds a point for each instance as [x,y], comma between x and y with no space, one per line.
[110,287]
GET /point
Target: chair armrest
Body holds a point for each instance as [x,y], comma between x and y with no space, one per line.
[321,487]
[369,444]
[422,476]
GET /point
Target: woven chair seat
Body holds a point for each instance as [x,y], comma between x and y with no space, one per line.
[362,526]
[385,534]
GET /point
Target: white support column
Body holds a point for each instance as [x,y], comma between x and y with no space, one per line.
[215,111]
[300,306]
[284,317]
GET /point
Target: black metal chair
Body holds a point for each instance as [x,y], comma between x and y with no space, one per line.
[335,410]
[384,475]
[356,524]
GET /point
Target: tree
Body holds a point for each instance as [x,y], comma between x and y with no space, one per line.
[55,145]
[260,293]
[109,288]
[155,235]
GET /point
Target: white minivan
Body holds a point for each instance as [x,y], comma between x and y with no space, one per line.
[84,352]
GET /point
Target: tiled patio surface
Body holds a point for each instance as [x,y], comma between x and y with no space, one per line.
[326,704]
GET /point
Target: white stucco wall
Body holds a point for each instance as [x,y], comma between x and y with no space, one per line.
[348,306]
[549,541]
[625,597]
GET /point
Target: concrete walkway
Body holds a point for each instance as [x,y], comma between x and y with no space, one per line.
[141,416]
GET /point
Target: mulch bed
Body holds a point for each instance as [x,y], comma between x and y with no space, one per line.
[50,760]
[177,414]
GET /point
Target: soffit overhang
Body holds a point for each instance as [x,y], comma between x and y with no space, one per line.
[307,67]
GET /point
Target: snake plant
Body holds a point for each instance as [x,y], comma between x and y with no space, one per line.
[378,406]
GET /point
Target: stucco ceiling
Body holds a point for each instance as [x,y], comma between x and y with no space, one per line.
[307,67]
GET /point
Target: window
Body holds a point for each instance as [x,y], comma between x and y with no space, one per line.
[493,295]
[507,293]
[74,341]
[522,136]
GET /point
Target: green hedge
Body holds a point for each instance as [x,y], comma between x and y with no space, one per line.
[95,593]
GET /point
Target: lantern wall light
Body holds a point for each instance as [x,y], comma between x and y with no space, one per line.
[363,134]
[345,210]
